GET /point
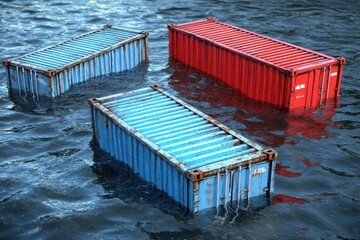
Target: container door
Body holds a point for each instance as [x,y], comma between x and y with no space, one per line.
[259,184]
[332,83]
[328,84]
[302,90]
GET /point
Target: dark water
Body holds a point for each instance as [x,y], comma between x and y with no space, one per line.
[55,185]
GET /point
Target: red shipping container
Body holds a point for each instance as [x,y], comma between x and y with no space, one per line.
[260,67]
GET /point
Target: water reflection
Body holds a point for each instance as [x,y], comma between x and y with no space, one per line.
[282,198]
[259,121]
[285,172]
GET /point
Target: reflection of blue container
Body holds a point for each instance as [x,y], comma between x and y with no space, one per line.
[192,157]
[53,70]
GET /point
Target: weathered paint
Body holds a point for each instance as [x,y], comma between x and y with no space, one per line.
[192,157]
[51,71]
[262,68]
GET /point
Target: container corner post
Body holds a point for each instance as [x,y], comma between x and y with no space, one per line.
[6,63]
[292,73]
[155,86]
[195,175]
[7,66]
[341,60]
[212,19]
[146,34]
[271,154]
[91,101]
[50,73]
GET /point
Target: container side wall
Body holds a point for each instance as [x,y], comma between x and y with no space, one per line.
[117,60]
[256,79]
[150,166]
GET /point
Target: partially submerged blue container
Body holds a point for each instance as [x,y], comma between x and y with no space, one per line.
[51,71]
[196,160]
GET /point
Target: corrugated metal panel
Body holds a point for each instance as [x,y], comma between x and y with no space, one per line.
[178,148]
[53,70]
[262,68]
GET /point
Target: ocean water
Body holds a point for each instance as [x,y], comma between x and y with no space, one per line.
[55,184]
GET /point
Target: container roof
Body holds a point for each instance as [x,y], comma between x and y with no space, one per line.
[184,135]
[274,52]
[77,49]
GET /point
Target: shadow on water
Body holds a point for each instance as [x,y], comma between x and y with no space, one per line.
[265,123]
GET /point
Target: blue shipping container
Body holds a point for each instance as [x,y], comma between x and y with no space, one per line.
[196,160]
[51,71]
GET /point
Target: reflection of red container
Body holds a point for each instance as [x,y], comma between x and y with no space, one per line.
[262,68]
[266,124]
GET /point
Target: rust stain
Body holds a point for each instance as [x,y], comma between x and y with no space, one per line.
[92,101]
[134,131]
[6,63]
[238,143]
[236,165]
[50,73]
[179,164]
[108,111]
[107,100]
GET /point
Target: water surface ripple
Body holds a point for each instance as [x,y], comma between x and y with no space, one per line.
[54,184]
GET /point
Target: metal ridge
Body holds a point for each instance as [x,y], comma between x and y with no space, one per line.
[288,71]
[208,118]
